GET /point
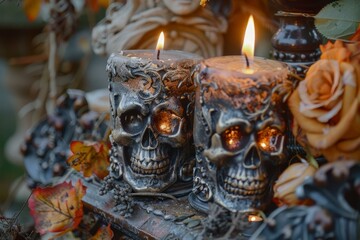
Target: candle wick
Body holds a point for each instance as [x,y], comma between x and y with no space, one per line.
[158,54]
[247,60]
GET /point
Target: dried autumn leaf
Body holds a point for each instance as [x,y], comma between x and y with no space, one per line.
[103,3]
[203,3]
[90,158]
[103,233]
[57,209]
[94,5]
[32,9]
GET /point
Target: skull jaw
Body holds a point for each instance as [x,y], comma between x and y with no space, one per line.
[244,203]
[151,182]
[240,198]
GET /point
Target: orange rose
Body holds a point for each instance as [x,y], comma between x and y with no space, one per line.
[336,51]
[289,180]
[326,105]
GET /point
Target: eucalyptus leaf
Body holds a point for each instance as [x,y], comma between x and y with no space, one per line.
[338,19]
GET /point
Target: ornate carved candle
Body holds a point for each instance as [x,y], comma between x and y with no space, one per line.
[152,107]
[239,131]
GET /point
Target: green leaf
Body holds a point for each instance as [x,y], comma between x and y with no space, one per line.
[339,19]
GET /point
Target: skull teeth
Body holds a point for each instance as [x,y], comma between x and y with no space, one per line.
[245,183]
[150,161]
[243,192]
[138,167]
[148,155]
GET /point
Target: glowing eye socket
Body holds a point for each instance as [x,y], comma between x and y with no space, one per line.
[166,122]
[132,121]
[232,138]
[270,139]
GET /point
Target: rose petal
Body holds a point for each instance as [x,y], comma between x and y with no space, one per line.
[349,78]
[335,68]
[337,51]
[294,171]
[335,133]
[316,113]
[317,73]
[293,176]
[309,125]
[330,114]
[349,145]
[333,154]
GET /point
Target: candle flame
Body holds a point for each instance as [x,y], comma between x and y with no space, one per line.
[249,39]
[254,218]
[160,43]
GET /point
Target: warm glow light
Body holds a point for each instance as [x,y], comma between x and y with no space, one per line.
[160,43]
[254,218]
[248,47]
[263,145]
[163,126]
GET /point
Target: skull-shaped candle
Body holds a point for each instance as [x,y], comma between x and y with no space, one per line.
[152,107]
[239,131]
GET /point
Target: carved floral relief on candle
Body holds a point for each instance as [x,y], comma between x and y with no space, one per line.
[152,107]
[239,131]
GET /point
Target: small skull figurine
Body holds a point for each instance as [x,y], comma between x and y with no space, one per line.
[239,134]
[152,107]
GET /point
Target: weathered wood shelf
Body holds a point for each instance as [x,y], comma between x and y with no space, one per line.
[152,218]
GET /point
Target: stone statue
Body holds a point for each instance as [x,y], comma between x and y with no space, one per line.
[136,24]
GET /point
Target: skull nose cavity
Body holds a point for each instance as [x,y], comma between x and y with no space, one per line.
[252,159]
[148,140]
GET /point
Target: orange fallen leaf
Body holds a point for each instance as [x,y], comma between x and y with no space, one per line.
[203,3]
[103,233]
[57,209]
[32,9]
[103,3]
[95,5]
[90,158]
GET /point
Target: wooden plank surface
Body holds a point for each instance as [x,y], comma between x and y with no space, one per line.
[153,218]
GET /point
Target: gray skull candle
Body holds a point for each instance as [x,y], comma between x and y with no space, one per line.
[152,107]
[239,131]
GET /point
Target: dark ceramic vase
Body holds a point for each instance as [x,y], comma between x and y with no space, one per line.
[300,6]
[297,41]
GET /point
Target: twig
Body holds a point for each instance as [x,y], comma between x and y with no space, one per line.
[28,59]
[52,71]
[12,193]
[78,76]
[294,14]
[21,209]
[297,77]
[40,101]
